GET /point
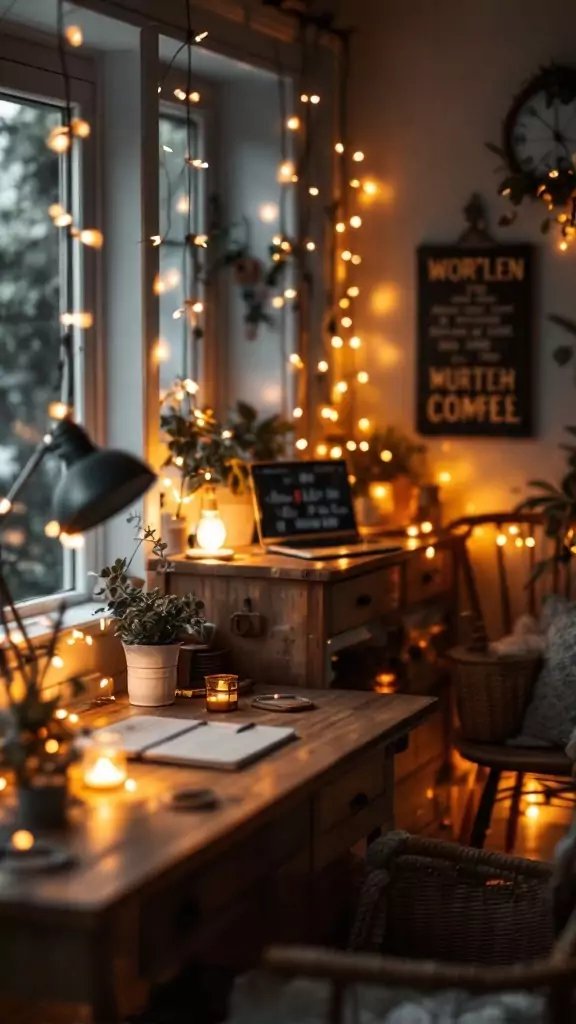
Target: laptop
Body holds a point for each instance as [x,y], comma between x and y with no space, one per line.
[305,509]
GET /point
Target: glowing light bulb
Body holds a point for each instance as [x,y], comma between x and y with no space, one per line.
[290,293]
[180,94]
[501,540]
[55,210]
[268,213]
[386,455]
[296,361]
[336,341]
[351,446]
[73,718]
[313,190]
[563,245]
[346,255]
[58,410]
[276,239]
[430,552]
[304,97]
[72,541]
[519,542]
[444,477]
[161,351]
[194,97]
[92,237]
[51,746]
[355,342]
[322,366]
[277,302]
[364,423]
[356,260]
[346,321]
[344,303]
[5,506]
[358,156]
[80,128]
[353,291]
[156,240]
[354,183]
[3,783]
[326,413]
[364,446]
[314,98]
[74,35]
[339,147]
[197,307]
[310,246]
[297,412]
[293,123]
[370,188]
[182,204]
[321,449]
[341,387]
[130,785]
[412,531]
[22,840]
[355,222]
[530,542]
[301,444]
[57,661]
[286,171]
[285,245]
[200,37]
[211,531]
[59,139]
[426,527]
[336,452]
[61,714]
[340,227]
[532,812]
[362,377]
[190,386]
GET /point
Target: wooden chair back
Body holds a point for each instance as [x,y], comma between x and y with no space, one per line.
[497,556]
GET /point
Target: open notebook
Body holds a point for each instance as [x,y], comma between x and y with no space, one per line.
[195,743]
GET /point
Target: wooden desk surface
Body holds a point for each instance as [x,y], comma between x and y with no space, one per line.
[125,840]
[254,562]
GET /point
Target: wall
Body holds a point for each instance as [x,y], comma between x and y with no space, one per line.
[431,81]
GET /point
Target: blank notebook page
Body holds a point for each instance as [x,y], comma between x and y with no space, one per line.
[220,745]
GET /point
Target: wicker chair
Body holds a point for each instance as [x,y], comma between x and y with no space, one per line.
[433,916]
[545,763]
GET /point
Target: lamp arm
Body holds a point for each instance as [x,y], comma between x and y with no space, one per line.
[23,477]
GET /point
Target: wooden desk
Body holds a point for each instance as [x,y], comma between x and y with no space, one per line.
[309,609]
[153,887]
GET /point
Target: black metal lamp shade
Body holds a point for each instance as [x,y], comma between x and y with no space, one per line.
[97,482]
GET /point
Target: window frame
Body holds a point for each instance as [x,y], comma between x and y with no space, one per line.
[31,70]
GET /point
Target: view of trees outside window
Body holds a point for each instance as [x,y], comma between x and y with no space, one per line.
[29,338]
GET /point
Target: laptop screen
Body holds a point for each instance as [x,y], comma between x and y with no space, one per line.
[303,499]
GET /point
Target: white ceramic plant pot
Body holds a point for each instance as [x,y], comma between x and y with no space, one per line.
[152,673]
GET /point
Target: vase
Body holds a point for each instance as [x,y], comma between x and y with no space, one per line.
[43,806]
[404,493]
[152,673]
[177,538]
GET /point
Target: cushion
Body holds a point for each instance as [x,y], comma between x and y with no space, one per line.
[551,715]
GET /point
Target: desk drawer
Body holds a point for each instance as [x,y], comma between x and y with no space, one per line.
[351,805]
[363,598]
[428,577]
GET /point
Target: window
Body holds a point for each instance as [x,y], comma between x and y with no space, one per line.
[32,296]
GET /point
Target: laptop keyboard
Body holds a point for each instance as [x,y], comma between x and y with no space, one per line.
[322,542]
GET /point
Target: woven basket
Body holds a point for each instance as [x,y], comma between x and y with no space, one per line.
[492,693]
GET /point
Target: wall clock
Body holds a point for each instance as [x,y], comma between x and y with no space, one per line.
[538,149]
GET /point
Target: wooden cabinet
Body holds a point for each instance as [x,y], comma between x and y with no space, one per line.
[359,600]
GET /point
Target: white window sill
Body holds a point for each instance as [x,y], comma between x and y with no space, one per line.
[77,616]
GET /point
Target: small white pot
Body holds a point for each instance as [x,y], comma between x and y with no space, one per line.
[152,673]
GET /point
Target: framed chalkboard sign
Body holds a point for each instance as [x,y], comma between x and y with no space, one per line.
[475,340]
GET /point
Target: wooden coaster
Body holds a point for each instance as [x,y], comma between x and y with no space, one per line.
[287,702]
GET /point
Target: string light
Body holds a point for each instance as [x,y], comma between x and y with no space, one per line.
[364,446]
[346,321]
[58,410]
[339,147]
[313,190]
[341,387]
[370,188]
[304,97]
[293,123]
[73,718]
[301,444]
[130,785]
[51,746]
[310,246]
[530,542]
[358,156]
[194,97]
[22,840]
[290,293]
[277,302]
[501,540]
[362,377]
[336,452]
[82,320]
[519,542]
[386,455]
[355,183]
[346,255]
[180,94]
[322,366]
[430,552]
[59,139]
[74,35]
[364,424]
[355,342]
[426,527]
[355,222]
[61,714]
[351,446]
[356,260]
[92,238]
[344,303]
[286,171]
[340,226]
[353,291]
[268,213]
[314,98]
[297,412]
[80,128]
[72,541]
[322,450]
[57,661]
[5,506]
[3,783]
[156,240]
[412,531]
[297,361]
[336,341]
[444,477]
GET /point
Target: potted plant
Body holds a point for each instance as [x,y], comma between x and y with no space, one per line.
[556,503]
[150,624]
[392,458]
[36,742]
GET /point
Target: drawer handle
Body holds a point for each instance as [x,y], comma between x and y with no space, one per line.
[358,803]
[428,577]
[187,916]
[363,600]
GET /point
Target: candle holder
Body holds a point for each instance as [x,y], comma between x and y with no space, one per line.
[104,764]
[221,693]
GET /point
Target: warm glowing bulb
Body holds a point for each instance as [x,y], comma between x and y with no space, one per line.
[430,552]
[563,245]
[370,188]
[530,542]
[426,527]
[322,366]
[444,477]
[339,147]
[355,183]
[326,412]
[533,812]
[353,291]
[351,446]
[301,444]
[514,530]
[293,123]
[3,783]
[358,156]
[190,386]
[194,97]
[290,293]
[22,840]
[344,303]
[74,35]
[51,746]
[501,540]
[285,245]
[412,531]
[304,97]
[296,361]
[92,237]
[362,377]
[310,246]
[59,139]
[356,260]
[313,190]
[322,450]
[72,541]
[73,718]
[182,204]
[355,342]
[5,506]
[336,452]
[58,410]
[346,255]
[286,171]
[340,226]
[364,423]
[297,412]
[355,222]
[211,531]
[386,455]
[336,341]
[156,240]
[314,98]
[55,210]
[519,542]
[346,321]
[341,387]
[130,785]
[180,94]
[80,128]
[364,446]
[57,661]
[197,307]
[161,351]
[268,213]
[277,302]
[61,714]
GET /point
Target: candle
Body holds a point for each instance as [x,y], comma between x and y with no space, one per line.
[104,763]
[221,693]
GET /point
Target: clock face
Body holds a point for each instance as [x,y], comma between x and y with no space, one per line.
[541,130]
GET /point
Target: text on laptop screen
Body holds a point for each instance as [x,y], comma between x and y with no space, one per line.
[299,498]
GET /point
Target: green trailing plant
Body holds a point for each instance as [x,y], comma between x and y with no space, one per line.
[557,506]
[258,440]
[148,617]
[391,454]
[35,740]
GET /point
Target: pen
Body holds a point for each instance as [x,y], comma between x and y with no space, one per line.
[246,727]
